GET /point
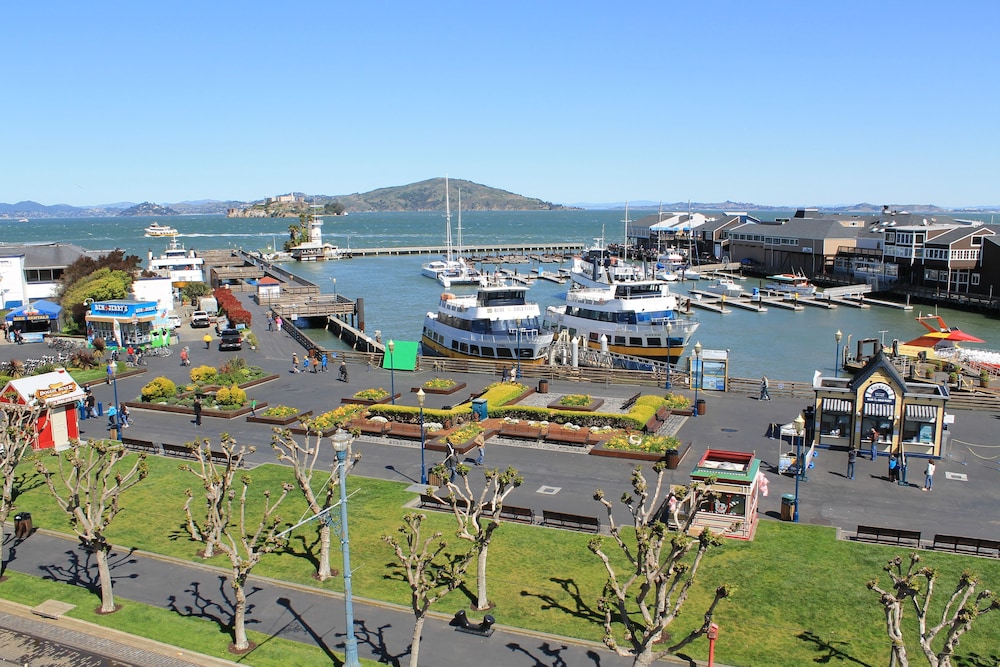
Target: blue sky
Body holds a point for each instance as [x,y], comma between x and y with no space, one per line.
[784,103]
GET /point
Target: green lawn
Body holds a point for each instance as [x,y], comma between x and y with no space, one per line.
[800,595]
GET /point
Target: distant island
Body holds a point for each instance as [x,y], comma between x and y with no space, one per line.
[146,208]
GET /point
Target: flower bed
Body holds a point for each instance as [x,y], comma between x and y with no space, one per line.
[577,403]
[371,396]
[279,415]
[327,423]
[442,386]
[639,447]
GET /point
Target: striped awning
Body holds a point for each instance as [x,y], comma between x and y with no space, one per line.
[878,409]
[837,405]
[921,413]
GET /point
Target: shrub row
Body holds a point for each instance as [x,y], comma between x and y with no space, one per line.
[231,306]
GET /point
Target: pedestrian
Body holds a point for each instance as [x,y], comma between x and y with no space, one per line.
[323,361]
[91,403]
[197,411]
[112,416]
[369,368]
[112,367]
[451,460]
[278,322]
[504,375]
[929,476]
[124,416]
[765,384]
[343,370]
[208,340]
[270,321]
[481,444]
[852,457]
[893,468]
[305,364]
[315,363]
[873,435]
[295,362]
[253,407]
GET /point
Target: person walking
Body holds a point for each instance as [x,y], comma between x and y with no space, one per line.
[124,416]
[253,407]
[305,363]
[208,340]
[873,436]
[185,361]
[315,362]
[91,405]
[451,460]
[278,322]
[343,370]
[270,321]
[197,411]
[295,362]
[765,384]
[481,445]
[929,476]
[852,458]
[322,362]
[893,468]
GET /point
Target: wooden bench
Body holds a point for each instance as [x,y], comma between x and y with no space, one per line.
[630,401]
[971,545]
[587,524]
[404,430]
[653,424]
[568,436]
[178,450]
[522,431]
[370,427]
[517,514]
[888,535]
[429,502]
[142,445]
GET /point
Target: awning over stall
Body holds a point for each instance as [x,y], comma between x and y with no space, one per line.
[837,405]
[921,413]
[878,409]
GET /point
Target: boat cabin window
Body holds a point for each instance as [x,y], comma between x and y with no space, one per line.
[619,340]
[454,344]
[654,342]
[464,348]
[504,353]
[635,341]
[474,349]
[488,352]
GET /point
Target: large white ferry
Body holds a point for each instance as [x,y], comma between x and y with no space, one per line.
[156,230]
[180,265]
[638,318]
[497,323]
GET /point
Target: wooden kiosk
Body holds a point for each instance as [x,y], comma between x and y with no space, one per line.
[735,501]
[57,394]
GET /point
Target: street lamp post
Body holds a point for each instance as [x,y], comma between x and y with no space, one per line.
[341,442]
[836,364]
[697,376]
[334,289]
[392,371]
[135,329]
[421,396]
[799,423]
[669,384]
[518,322]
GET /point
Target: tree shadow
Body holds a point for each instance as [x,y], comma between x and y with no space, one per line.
[221,613]
[308,550]
[830,650]
[581,609]
[24,482]
[552,654]
[976,660]
[298,625]
[375,639]
[82,572]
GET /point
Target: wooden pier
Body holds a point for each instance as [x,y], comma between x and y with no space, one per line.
[488,249]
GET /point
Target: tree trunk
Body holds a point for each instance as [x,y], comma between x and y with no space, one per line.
[644,658]
[324,572]
[104,574]
[240,641]
[484,601]
[210,539]
[898,656]
[418,629]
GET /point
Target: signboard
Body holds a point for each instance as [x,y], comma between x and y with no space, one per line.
[711,371]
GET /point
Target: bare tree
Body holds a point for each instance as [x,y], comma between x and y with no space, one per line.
[245,545]
[302,458]
[217,480]
[17,434]
[959,613]
[659,578]
[91,482]
[430,579]
[478,518]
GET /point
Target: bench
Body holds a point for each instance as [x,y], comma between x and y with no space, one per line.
[630,401]
[568,436]
[517,514]
[370,427]
[178,450]
[142,445]
[587,524]
[404,430]
[972,545]
[429,502]
[521,431]
[653,424]
[888,535]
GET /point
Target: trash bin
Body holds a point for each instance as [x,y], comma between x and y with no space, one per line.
[673,459]
[543,386]
[22,525]
[700,406]
[480,408]
[787,507]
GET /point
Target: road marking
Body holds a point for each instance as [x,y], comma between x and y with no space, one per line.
[549,490]
[957,476]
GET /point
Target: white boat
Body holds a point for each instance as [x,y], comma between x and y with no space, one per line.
[724,287]
[790,284]
[155,229]
[314,249]
[23,220]
[495,324]
[675,264]
[180,265]
[638,318]
[453,269]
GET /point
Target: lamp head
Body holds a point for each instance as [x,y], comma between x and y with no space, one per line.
[838,335]
[799,424]
[421,396]
[391,345]
[341,439]
[697,349]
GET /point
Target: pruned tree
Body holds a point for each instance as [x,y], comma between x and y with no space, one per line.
[648,597]
[429,577]
[478,518]
[916,585]
[17,434]
[303,457]
[87,483]
[216,480]
[243,542]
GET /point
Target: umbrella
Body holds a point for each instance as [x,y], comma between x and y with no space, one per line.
[941,332]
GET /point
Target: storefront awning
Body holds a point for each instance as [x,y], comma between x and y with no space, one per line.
[921,413]
[878,409]
[837,405]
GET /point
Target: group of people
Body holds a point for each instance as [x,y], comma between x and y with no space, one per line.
[451,455]
[274,322]
[896,465]
[118,416]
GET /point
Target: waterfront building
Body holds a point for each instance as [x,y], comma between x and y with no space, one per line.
[32,270]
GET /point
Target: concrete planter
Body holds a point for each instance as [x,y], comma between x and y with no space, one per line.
[277,421]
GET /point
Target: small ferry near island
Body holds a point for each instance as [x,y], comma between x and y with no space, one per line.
[155,230]
[497,323]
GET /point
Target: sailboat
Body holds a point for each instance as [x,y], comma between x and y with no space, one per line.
[452,269]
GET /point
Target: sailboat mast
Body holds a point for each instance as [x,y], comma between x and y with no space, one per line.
[458,247]
[625,244]
[447,222]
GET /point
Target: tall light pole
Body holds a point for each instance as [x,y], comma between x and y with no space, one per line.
[341,443]
[668,384]
[799,423]
[392,370]
[697,376]
[836,364]
[518,322]
[421,396]
[334,280]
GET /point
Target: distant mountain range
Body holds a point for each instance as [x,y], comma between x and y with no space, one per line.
[422,196]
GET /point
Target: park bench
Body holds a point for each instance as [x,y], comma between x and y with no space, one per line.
[429,502]
[521,431]
[141,445]
[369,427]
[630,401]
[971,545]
[178,450]
[568,436]
[888,535]
[653,424]
[587,524]
[404,430]
[663,413]
[517,514]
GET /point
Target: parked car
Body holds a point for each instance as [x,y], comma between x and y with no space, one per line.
[200,320]
[230,339]
[175,321]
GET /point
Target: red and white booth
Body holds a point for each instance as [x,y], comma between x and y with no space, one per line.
[57,394]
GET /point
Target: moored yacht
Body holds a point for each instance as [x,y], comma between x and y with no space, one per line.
[790,284]
[724,287]
[497,323]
